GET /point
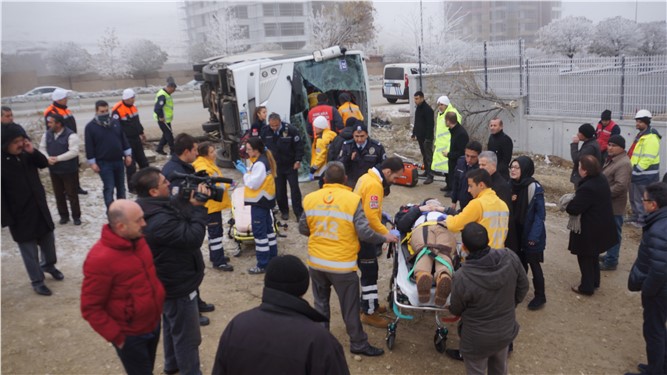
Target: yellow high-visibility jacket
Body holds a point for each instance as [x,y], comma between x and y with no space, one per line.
[204,164]
[369,188]
[645,158]
[488,210]
[320,149]
[442,142]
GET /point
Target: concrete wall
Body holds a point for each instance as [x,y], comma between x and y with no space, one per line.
[538,134]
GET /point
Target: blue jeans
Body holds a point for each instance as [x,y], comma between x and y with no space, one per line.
[138,353]
[266,247]
[611,259]
[112,174]
[181,335]
[655,333]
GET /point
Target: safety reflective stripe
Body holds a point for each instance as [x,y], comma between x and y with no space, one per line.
[370,297]
[334,214]
[262,194]
[646,172]
[332,264]
[645,155]
[368,288]
[496,213]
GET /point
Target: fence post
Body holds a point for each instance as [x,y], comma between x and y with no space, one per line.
[486,78]
[520,67]
[527,89]
[622,84]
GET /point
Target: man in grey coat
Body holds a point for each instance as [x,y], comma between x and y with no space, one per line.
[589,146]
[618,170]
[485,292]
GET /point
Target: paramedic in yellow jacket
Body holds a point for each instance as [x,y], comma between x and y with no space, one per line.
[334,222]
[323,137]
[645,160]
[206,162]
[485,208]
[442,140]
[348,109]
[370,187]
[260,195]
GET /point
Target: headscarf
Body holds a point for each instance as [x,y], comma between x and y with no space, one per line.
[520,187]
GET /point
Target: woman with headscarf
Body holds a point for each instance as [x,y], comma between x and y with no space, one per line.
[527,229]
[590,236]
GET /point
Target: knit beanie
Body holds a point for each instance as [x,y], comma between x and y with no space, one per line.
[587,130]
[606,115]
[288,274]
[617,140]
[10,132]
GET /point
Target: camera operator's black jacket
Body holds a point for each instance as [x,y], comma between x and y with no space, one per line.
[286,146]
[175,231]
[176,165]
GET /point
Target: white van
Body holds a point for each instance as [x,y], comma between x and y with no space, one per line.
[395,82]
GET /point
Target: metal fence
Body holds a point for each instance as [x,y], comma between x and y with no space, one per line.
[570,87]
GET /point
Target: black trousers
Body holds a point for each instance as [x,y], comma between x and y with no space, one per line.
[138,352]
[426,149]
[290,176]
[138,157]
[590,273]
[451,166]
[167,137]
[533,261]
[655,333]
[368,265]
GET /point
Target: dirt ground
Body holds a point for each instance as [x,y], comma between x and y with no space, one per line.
[571,335]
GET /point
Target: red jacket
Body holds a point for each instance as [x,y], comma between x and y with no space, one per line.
[603,133]
[121,294]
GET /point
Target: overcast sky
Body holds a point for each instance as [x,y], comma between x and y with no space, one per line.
[41,24]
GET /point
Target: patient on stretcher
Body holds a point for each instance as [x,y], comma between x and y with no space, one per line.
[432,248]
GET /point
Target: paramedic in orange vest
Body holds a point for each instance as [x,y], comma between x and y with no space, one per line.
[260,195]
[605,129]
[347,109]
[324,109]
[59,107]
[334,222]
[127,114]
[370,188]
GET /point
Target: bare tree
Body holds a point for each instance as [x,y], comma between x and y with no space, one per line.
[343,24]
[68,60]
[616,36]
[566,36]
[107,62]
[654,41]
[225,35]
[143,58]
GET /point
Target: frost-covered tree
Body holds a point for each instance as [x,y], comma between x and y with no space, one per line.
[343,24]
[225,36]
[616,36]
[143,58]
[654,38]
[566,36]
[108,62]
[68,60]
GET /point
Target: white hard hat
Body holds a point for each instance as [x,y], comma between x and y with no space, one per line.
[321,122]
[128,94]
[443,100]
[59,94]
[643,113]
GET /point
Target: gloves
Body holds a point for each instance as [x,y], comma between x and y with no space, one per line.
[311,177]
[313,170]
[395,232]
[240,167]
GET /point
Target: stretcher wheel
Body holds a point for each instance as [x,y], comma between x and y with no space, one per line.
[391,338]
[440,341]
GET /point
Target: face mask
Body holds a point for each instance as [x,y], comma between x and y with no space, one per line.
[103,119]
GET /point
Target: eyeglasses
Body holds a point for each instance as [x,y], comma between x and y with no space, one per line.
[648,200]
[515,167]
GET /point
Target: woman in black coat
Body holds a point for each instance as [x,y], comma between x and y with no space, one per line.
[592,203]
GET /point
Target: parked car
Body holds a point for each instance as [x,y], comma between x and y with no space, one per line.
[42,90]
[395,82]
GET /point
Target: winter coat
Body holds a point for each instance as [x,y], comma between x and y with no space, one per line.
[533,229]
[284,335]
[371,155]
[592,200]
[502,188]
[286,146]
[424,122]
[211,169]
[24,207]
[485,292]
[618,171]
[336,145]
[502,145]
[121,294]
[176,165]
[175,232]
[460,181]
[649,272]
[589,147]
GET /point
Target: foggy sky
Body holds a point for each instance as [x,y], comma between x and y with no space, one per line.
[42,24]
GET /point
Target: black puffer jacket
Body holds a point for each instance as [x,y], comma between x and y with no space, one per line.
[649,273]
[175,232]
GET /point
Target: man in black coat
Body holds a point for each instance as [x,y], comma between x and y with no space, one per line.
[286,145]
[649,275]
[502,145]
[175,230]
[467,162]
[458,141]
[284,335]
[423,133]
[590,146]
[360,154]
[503,189]
[24,207]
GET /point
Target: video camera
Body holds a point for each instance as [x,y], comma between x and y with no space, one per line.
[192,181]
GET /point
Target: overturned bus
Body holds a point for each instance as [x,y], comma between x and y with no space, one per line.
[233,86]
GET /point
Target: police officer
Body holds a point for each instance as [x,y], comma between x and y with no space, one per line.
[286,145]
[360,154]
[163,113]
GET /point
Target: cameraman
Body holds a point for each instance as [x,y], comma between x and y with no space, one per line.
[175,230]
